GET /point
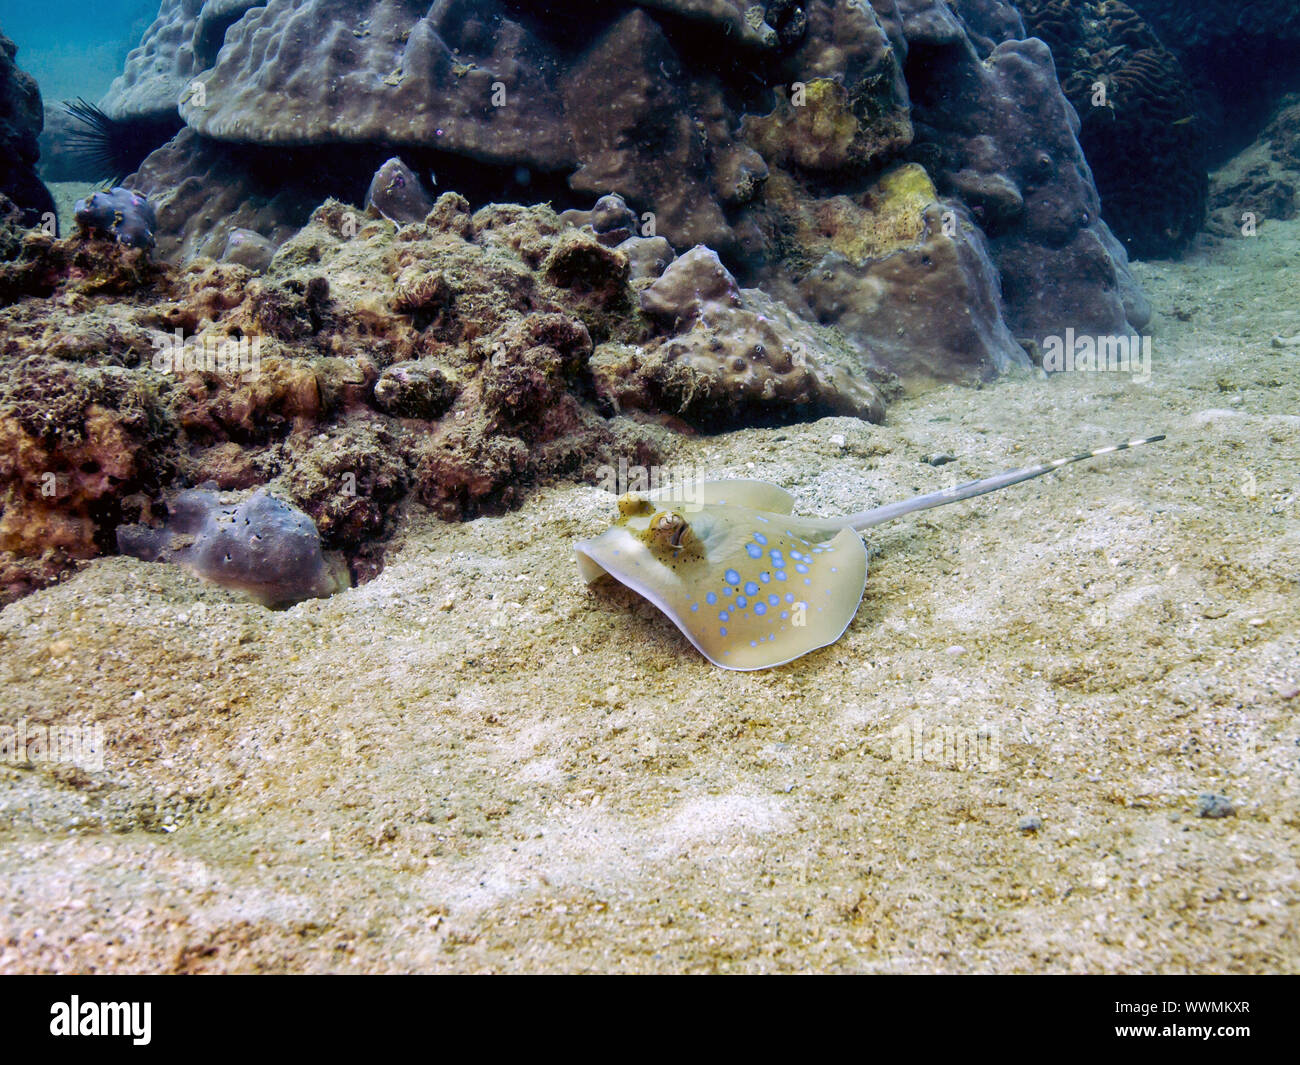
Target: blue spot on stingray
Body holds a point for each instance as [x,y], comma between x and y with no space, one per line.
[801,568]
[780,575]
[795,555]
[742,602]
[753,643]
[784,614]
[753,551]
[711,598]
[765,576]
[761,518]
[695,607]
[774,599]
[724,616]
[835,569]
[726,591]
[751,588]
[789,597]
[760,538]
[760,608]
[722,632]
[776,557]
[807,581]
[731,577]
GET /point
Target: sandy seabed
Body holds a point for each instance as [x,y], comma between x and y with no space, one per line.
[473,763]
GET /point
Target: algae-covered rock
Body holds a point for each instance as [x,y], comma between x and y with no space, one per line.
[722,356]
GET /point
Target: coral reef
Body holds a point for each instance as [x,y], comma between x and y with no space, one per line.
[999,134]
[723,356]
[21,118]
[872,196]
[1240,57]
[447,359]
[260,546]
[45,265]
[1129,89]
[119,214]
[715,122]
[75,443]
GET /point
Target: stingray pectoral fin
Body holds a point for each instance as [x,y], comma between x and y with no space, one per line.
[588,568]
[743,612]
[756,495]
[809,606]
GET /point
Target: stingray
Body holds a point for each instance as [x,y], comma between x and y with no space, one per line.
[748,583]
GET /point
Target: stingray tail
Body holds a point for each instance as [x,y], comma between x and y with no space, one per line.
[977,488]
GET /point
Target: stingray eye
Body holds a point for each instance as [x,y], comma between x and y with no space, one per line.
[671,526]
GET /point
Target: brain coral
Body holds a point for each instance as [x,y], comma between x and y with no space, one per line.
[1240,56]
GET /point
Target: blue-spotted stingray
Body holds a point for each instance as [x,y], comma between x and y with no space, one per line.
[749,584]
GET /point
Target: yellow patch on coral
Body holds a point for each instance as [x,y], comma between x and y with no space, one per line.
[817,134]
[891,215]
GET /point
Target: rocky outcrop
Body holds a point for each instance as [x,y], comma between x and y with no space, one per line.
[722,356]
[22,117]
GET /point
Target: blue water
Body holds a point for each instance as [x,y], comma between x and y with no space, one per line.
[72,47]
